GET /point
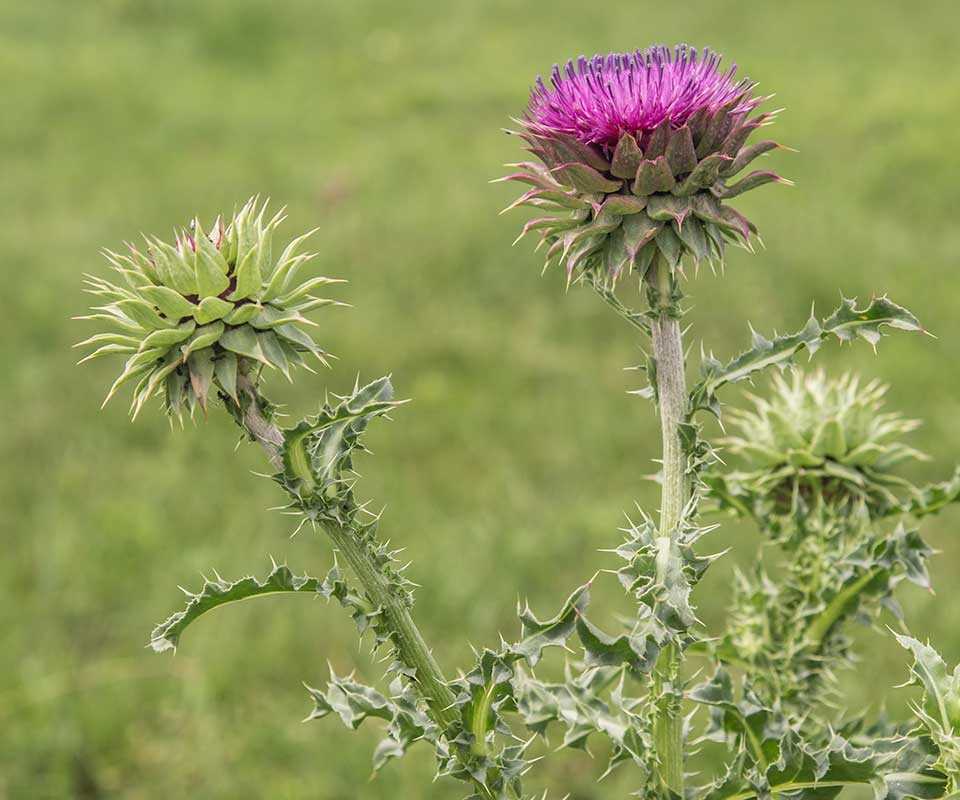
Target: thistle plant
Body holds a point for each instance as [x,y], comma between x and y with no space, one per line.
[636,158]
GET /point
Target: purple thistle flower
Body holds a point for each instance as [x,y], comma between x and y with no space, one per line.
[599,99]
[635,155]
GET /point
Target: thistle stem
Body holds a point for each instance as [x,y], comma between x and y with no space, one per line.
[675,493]
[840,605]
[672,398]
[411,649]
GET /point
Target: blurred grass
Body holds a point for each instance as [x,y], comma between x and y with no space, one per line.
[379,121]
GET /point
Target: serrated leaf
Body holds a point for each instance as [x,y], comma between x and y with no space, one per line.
[846,323]
[941,688]
[353,702]
[552,632]
[934,497]
[601,649]
[317,453]
[219,592]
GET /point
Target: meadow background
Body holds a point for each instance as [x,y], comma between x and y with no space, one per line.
[380,121]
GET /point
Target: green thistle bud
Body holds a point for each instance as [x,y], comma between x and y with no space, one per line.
[205,310]
[820,442]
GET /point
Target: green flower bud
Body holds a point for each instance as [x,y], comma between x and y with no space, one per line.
[205,310]
[818,442]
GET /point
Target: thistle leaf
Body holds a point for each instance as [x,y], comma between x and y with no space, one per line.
[318,452]
[941,688]
[552,632]
[218,592]
[351,701]
[847,323]
[934,497]
[939,710]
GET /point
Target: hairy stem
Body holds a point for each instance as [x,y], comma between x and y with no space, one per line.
[673,401]
[252,414]
[411,649]
[672,396]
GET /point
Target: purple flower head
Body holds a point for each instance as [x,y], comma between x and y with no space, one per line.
[597,100]
[635,157]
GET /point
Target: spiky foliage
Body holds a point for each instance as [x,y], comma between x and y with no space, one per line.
[636,156]
[815,442]
[939,709]
[777,757]
[638,149]
[202,311]
[789,630]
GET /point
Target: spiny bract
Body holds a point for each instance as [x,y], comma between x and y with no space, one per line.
[210,307]
[823,438]
[636,151]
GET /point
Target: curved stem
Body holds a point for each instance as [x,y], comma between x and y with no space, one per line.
[412,651]
[839,606]
[252,414]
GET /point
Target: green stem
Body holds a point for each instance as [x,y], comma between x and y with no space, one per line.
[837,607]
[673,402]
[412,650]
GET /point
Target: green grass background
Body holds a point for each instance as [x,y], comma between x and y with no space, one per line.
[379,121]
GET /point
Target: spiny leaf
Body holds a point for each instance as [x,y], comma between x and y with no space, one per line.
[934,497]
[846,324]
[822,771]
[552,632]
[354,702]
[939,711]
[218,592]
[317,453]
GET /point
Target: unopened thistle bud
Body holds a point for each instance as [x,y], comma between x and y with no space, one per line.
[638,151]
[209,307]
[818,441]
